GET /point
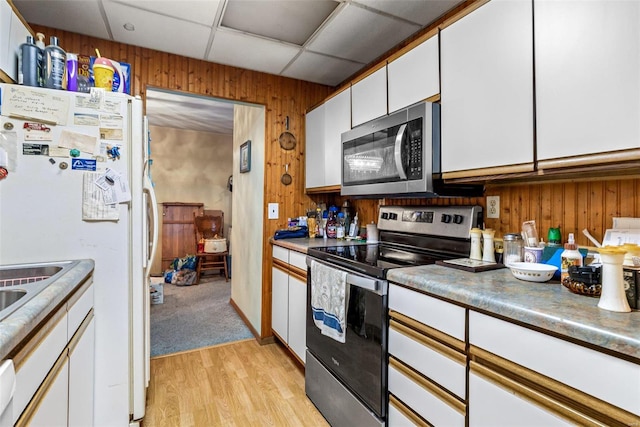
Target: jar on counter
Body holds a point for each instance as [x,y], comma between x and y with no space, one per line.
[513,248]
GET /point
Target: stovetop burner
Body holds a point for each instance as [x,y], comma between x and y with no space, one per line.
[410,236]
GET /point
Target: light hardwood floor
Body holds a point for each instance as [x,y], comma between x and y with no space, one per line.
[235,384]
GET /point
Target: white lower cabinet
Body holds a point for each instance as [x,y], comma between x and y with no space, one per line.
[427,361]
[289,300]
[52,408]
[521,377]
[55,368]
[81,379]
[491,405]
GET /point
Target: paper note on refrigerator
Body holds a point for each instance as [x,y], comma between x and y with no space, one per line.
[20,102]
[80,141]
[94,207]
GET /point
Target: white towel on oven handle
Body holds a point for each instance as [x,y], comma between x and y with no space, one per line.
[329,299]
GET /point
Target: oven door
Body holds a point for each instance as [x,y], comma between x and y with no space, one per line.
[360,362]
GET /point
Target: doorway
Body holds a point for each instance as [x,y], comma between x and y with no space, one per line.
[192,151]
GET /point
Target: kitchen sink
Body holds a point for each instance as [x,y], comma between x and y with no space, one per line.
[10,296]
[19,283]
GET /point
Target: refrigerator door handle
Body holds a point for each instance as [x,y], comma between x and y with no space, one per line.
[147,187]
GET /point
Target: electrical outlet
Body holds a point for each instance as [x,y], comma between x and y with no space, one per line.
[493,207]
[273,211]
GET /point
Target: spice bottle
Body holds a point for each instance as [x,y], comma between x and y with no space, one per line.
[570,256]
[476,245]
[488,249]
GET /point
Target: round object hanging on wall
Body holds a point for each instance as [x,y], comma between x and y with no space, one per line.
[287,139]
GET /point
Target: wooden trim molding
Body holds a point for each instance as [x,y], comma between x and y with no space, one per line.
[298,273]
[429,342]
[407,412]
[245,319]
[432,388]
[280,265]
[554,396]
[430,332]
[38,338]
[591,159]
[492,171]
[417,42]
[323,190]
[464,12]
[370,71]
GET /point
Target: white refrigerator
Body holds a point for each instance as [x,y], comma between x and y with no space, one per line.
[66,197]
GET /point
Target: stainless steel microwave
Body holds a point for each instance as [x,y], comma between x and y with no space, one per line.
[397,155]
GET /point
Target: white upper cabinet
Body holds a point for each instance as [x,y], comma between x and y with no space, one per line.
[337,119]
[314,148]
[415,75]
[587,77]
[487,88]
[5,34]
[369,97]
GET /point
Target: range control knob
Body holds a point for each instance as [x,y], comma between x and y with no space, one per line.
[446,218]
[458,219]
[393,216]
[385,215]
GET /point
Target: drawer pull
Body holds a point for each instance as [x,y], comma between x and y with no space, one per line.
[407,412]
[428,342]
[428,331]
[553,395]
[428,385]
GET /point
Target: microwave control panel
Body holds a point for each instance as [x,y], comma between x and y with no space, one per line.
[414,166]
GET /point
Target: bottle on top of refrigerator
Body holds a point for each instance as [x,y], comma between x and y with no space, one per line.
[332,223]
[353,227]
[55,66]
[40,40]
[29,63]
[72,72]
[570,256]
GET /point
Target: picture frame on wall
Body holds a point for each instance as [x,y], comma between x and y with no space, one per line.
[245,157]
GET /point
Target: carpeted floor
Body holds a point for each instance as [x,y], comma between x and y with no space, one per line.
[194,317]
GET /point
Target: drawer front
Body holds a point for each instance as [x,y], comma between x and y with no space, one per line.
[35,367]
[298,259]
[438,314]
[606,377]
[421,400]
[281,253]
[491,405]
[440,368]
[399,415]
[79,311]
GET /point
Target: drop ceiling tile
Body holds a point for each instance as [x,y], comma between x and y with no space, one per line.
[360,35]
[321,69]
[290,21]
[157,31]
[422,12]
[64,14]
[201,12]
[254,53]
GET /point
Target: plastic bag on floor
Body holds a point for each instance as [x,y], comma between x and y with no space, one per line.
[184,277]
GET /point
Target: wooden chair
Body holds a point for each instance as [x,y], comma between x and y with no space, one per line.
[210,226]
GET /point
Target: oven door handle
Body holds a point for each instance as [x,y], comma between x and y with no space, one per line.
[363,282]
[397,152]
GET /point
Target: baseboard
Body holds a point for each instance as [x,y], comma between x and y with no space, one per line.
[246,321]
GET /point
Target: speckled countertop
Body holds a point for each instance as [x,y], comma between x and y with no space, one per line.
[19,324]
[546,306]
[301,244]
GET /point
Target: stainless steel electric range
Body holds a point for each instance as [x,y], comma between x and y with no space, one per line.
[347,381]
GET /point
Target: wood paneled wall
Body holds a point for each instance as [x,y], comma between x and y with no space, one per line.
[281,97]
[572,205]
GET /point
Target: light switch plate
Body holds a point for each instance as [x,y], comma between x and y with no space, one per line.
[273,211]
[493,207]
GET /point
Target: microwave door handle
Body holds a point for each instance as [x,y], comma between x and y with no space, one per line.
[398,152]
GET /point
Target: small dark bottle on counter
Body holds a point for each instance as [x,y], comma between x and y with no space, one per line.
[332,224]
